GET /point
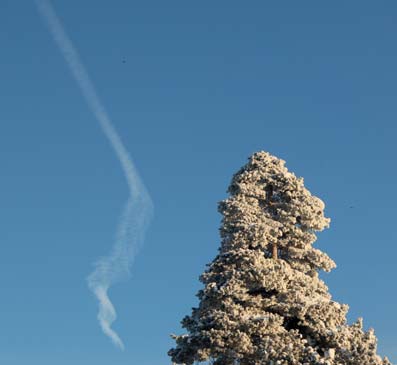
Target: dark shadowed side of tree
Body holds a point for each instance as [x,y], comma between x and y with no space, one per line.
[263,301]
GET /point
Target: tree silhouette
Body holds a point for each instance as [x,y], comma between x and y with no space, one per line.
[263,301]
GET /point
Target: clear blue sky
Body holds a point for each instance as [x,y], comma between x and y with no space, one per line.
[204,84]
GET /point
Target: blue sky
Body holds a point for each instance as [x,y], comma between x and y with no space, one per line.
[193,88]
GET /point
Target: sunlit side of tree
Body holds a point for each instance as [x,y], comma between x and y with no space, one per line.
[263,301]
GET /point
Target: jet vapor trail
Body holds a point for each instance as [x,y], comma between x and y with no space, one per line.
[138,210]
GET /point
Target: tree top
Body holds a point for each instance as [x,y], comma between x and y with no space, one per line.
[270,208]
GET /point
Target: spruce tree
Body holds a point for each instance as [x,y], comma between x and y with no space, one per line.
[263,301]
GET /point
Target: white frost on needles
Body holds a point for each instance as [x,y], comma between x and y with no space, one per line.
[263,301]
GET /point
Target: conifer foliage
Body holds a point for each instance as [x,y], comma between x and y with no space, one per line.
[263,301]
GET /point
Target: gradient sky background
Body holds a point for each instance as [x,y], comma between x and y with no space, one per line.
[193,88]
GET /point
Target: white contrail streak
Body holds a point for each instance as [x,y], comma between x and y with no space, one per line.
[138,210]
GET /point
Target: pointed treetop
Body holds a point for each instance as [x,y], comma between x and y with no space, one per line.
[289,214]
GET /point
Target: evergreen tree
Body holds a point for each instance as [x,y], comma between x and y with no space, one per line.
[263,301]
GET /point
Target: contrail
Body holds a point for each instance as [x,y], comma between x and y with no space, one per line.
[138,210]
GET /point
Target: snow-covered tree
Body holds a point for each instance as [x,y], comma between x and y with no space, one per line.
[262,301]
